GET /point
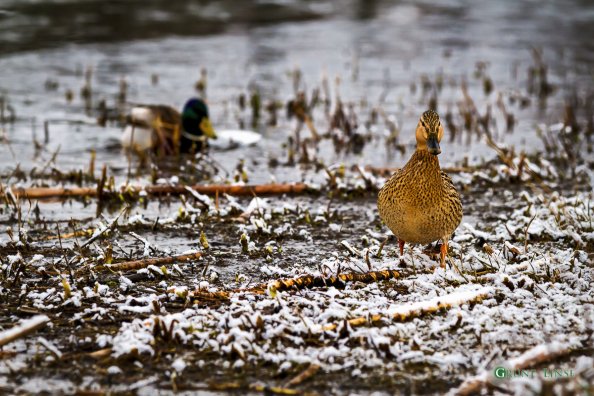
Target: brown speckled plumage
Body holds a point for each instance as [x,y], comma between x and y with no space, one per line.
[419,203]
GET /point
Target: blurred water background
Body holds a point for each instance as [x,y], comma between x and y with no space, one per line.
[387,55]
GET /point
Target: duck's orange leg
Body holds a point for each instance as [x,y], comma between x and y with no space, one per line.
[401,246]
[443,253]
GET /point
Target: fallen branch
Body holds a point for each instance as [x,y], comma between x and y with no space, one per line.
[81,233]
[532,357]
[304,376]
[210,298]
[100,354]
[302,282]
[260,388]
[408,311]
[212,189]
[277,390]
[23,329]
[309,281]
[139,264]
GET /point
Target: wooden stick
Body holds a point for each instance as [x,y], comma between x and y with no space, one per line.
[100,354]
[302,282]
[256,387]
[305,375]
[212,189]
[207,298]
[88,232]
[138,264]
[24,328]
[277,390]
[309,281]
[532,357]
[405,312]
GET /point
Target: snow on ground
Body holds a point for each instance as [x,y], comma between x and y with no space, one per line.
[518,280]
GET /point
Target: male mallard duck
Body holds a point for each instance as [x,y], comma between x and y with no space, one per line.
[420,203]
[162,128]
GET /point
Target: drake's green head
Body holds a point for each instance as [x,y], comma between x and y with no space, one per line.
[195,119]
[429,132]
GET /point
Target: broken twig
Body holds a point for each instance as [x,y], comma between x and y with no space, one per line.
[23,329]
[212,189]
[408,311]
[139,264]
[309,281]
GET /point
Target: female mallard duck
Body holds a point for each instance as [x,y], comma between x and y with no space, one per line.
[162,128]
[420,203]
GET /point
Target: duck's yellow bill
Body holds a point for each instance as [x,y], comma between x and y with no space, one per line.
[206,127]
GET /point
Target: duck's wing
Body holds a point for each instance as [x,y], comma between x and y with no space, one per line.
[449,185]
[393,186]
[447,180]
[452,201]
[166,124]
[166,114]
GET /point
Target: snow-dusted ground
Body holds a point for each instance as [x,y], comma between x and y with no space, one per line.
[520,276]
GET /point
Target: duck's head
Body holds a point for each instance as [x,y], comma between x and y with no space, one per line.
[195,119]
[429,132]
